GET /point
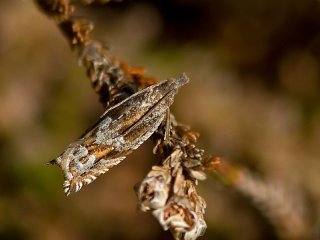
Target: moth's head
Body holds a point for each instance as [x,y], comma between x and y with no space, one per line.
[74,152]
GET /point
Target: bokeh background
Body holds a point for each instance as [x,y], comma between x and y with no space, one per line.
[253,96]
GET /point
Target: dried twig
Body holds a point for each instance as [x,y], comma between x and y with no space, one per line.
[284,209]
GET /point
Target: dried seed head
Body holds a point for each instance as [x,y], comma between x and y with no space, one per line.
[174,216]
[197,174]
[198,228]
[153,191]
[181,220]
[183,209]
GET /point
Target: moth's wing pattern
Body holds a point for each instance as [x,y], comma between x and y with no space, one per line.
[119,131]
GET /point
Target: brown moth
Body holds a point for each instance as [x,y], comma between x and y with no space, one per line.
[120,130]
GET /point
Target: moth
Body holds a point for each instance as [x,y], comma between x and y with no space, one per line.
[120,130]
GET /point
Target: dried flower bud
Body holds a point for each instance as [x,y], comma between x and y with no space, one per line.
[174,216]
[60,10]
[197,202]
[191,163]
[183,222]
[183,214]
[197,174]
[153,191]
[198,229]
[174,159]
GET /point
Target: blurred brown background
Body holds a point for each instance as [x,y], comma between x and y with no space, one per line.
[253,96]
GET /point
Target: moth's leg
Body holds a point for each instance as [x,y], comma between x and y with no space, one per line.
[167,126]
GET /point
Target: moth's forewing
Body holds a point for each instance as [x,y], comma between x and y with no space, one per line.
[120,130]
